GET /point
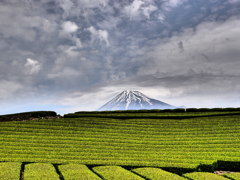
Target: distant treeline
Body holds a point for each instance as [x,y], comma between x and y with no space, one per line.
[157,113]
[27,115]
[163,110]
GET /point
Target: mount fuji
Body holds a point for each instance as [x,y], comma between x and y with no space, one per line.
[134,100]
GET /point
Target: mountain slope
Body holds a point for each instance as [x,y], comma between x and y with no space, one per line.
[127,100]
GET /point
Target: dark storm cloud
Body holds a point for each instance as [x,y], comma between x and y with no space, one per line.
[72,47]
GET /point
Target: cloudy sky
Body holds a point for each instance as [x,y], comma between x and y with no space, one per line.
[72,55]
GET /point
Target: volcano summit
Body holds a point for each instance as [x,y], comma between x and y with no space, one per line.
[134,100]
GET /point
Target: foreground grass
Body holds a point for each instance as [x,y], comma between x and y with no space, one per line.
[40,171]
[115,173]
[79,171]
[10,170]
[156,174]
[204,176]
[233,175]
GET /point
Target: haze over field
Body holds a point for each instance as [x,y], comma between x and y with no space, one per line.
[72,55]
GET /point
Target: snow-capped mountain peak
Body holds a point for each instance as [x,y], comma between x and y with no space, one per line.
[127,100]
[131,97]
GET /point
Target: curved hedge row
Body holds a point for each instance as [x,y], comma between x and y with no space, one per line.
[157,114]
[204,176]
[156,174]
[115,173]
[163,110]
[49,171]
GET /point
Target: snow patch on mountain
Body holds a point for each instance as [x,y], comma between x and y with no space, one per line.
[134,100]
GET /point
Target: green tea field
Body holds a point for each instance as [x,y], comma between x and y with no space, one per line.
[140,148]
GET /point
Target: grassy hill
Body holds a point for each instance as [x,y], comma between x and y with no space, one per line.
[192,139]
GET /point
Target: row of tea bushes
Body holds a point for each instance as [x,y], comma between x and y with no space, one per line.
[42,171]
[133,142]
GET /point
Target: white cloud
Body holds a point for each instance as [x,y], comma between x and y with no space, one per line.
[66,5]
[217,51]
[234,1]
[18,23]
[140,8]
[148,10]
[72,51]
[211,50]
[80,7]
[8,88]
[69,27]
[65,72]
[133,9]
[168,5]
[161,17]
[32,66]
[93,3]
[174,3]
[205,66]
[68,30]
[101,35]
